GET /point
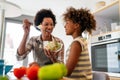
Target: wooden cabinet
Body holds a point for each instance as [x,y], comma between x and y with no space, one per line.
[106,15]
[114,78]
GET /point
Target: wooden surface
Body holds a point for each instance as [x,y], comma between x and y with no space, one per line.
[114,78]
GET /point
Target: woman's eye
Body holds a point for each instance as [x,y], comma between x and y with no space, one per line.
[48,24]
[45,24]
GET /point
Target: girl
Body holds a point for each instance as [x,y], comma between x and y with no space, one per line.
[77,57]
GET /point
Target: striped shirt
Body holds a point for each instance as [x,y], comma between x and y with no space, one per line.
[35,44]
[83,69]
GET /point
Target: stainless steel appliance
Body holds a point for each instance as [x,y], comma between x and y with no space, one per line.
[105,52]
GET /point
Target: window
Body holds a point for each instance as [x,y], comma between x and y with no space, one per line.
[13,37]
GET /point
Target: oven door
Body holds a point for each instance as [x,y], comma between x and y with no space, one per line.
[105,56]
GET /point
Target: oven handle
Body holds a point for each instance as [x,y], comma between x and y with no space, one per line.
[105,42]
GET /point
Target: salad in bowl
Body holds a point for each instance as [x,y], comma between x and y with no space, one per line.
[53,46]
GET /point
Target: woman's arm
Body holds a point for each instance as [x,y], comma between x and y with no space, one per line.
[55,56]
[22,49]
[26,28]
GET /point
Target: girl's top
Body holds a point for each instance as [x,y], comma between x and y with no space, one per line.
[83,69]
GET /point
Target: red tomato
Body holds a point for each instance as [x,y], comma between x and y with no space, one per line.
[32,72]
[24,69]
[20,72]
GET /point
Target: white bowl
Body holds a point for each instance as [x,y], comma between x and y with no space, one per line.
[54,47]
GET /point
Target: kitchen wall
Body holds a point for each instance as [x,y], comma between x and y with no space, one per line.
[0,30]
[0,21]
[103,25]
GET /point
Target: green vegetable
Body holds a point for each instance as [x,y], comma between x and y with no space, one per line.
[3,77]
[52,72]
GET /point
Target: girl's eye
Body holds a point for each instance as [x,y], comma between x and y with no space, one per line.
[66,22]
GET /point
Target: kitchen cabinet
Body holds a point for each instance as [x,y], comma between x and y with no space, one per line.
[106,15]
[114,78]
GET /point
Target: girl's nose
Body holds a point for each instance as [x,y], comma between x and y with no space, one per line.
[65,26]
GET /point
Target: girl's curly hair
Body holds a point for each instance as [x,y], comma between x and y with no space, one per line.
[81,16]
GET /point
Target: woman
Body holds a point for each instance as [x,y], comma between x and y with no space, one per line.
[45,22]
[77,57]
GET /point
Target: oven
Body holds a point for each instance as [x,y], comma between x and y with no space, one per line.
[105,52]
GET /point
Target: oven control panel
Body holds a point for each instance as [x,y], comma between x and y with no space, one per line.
[105,37]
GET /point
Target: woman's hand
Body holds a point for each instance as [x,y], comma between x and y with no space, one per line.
[34,63]
[52,55]
[26,26]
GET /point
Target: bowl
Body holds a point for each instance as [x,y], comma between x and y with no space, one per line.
[52,46]
[8,68]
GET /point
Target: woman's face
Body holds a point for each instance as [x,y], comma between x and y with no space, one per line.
[69,27]
[47,26]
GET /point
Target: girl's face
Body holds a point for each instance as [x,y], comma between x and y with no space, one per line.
[47,26]
[69,27]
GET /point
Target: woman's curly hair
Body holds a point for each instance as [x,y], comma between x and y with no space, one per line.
[81,16]
[44,13]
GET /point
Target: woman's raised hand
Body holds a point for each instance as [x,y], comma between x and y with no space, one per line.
[26,26]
